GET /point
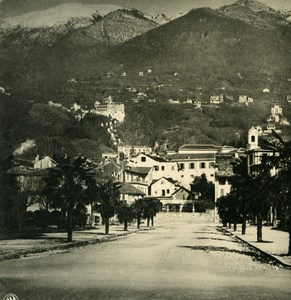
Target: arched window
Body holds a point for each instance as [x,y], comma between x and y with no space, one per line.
[253,138]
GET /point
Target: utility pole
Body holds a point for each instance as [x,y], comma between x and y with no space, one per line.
[122,160]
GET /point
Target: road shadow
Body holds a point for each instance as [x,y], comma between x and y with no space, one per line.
[220,249]
[255,255]
[215,239]
[205,232]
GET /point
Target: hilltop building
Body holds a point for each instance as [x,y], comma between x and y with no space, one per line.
[111,109]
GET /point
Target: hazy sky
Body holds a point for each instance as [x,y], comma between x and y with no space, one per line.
[151,7]
[173,7]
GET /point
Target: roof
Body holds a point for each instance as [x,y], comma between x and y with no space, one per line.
[199,147]
[197,156]
[138,170]
[131,190]
[181,188]
[171,180]
[156,158]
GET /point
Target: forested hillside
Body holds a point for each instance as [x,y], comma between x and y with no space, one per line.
[176,125]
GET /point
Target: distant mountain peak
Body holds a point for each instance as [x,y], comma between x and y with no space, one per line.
[162,19]
[253,5]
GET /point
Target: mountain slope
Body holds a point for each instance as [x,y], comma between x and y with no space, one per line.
[206,45]
[117,27]
[255,13]
[58,15]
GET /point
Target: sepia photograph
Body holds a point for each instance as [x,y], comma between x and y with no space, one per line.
[145,149]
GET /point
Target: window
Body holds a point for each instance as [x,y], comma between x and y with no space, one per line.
[173,168]
[222,192]
[191,166]
[222,181]
[163,168]
[168,191]
[156,168]
[202,165]
[182,166]
[143,159]
[163,193]
[253,138]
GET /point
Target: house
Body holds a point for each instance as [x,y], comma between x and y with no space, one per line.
[197,104]
[288,98]
[129,193]
[172,101]
[255,152]
[242,99]
[180,201]
[193,165]
[140,73]
[136,176]
[276,113]
[163,168]
[162,187]
[266,90]
[111,109]
[43,163]
[216,99]
[133,150]
[224,175]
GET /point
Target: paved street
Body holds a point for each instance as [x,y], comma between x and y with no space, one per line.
[177,260]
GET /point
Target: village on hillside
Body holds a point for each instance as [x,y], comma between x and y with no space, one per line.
[169,176]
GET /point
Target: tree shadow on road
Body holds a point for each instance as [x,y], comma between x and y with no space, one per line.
[215,239]
[255,255]
[221,249]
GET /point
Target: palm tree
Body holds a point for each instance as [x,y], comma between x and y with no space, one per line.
[125,213]
[152,206]
[9,188]
[281,160]
[138,208]
[108,201]
[68,186]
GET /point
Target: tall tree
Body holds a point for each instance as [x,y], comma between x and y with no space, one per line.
[152,206]
[138,208]
[108,201]
[125,213]
[281,161]
[67,185]
[9,189]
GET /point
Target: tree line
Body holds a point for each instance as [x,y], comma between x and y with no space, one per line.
[65,191]
[264,193]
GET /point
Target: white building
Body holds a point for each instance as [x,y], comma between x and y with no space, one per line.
[111,109]
[43,163]
[242,99]
[216,99]
[276,113]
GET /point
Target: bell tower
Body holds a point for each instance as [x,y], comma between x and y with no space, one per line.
[253,138]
